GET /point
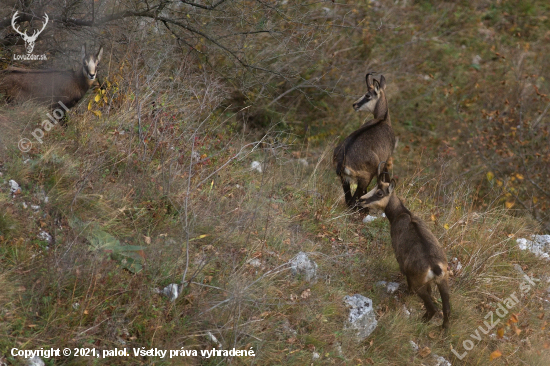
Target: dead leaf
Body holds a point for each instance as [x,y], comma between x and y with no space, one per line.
[147,239]
[495,354]
[305,294]
[293,297]
[516,330]
[369,361]
[424,352]
[432,335]
[514,318]
[500,333]
[541,315]
[141,253]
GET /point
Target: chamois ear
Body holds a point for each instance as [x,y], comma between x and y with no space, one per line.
[382,82]
[392,186]
[376,86]
[369,80]
[99,54]
[83,52]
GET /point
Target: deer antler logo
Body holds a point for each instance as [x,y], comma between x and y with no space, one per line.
[29,40]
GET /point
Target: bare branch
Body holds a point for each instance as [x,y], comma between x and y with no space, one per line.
[211,7]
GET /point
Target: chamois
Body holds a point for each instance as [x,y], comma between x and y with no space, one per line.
[358,156]
[420,257]
[50,86]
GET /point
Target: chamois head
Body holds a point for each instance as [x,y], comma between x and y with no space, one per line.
[379,196]
[89,63]
[375,93]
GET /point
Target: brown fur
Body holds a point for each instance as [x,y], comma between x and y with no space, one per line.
[50,86]
[420,257]
[358,156]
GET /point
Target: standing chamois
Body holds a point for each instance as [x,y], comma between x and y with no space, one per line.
[50,86]
[358,156]
[420,257]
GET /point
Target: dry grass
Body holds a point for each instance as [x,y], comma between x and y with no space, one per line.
[173,180]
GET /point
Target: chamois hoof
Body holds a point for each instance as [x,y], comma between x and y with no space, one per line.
[427,316]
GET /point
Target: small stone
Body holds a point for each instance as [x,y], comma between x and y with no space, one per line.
[255,262]
[172,291]
[369,218]
[315,356]
[361,317]
[14,187]
[440,361]
[391,287]
[302,264]
[256,165]
[35,361]
[42,235]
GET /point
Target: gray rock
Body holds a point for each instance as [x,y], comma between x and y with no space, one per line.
[35,361]
[539,245]
[172,291]
[302,264]
[368,219]
[42,235]
[440,361]
[256,165]
[14,187]
[255,262]
[391,287]
[361,317]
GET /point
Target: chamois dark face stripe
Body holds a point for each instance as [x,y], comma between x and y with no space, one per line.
[364,202]
[364,100]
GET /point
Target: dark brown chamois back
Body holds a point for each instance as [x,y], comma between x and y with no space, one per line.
[50,86]
[421,259]
[358,156]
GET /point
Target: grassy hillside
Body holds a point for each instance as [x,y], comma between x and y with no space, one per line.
[150,183]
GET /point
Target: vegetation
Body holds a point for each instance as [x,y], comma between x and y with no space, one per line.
[150,183]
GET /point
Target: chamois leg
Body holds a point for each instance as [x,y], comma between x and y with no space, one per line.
[424,294]
[347,191]
[443,287]
[362,185]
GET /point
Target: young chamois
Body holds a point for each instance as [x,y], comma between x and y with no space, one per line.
[420,257]
[358,156]
[50,86]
